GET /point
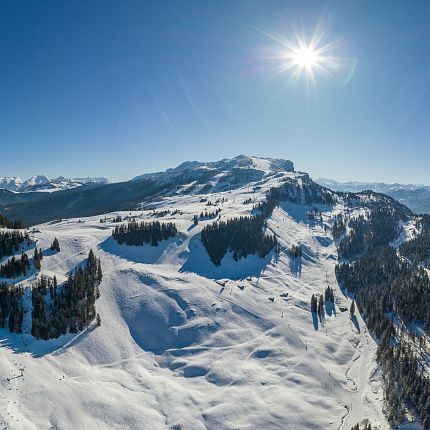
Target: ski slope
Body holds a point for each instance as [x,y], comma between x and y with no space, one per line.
[187,345]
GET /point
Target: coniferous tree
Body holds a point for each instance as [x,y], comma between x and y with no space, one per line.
[11,242]
[15,224]
[36,259]
[242,236]
[11,310]
[352,308]
[314,304]
[321,311]
[138,234]
[389,291]
[55,245]
[14,267]
[67,307]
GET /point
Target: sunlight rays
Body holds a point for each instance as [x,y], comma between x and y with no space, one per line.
[303,58]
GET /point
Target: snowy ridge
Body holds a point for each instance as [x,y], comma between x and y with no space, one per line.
[414,196]
[42,183]
[265,165]
[187,345]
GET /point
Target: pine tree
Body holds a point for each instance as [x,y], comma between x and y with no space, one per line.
[321,312]
[314,304]
[352,308]
[36,259]
[71,306]
[55,245]
[99,272]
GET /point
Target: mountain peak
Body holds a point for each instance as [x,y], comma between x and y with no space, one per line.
[242,161]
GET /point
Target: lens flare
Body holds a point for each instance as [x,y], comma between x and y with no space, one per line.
[303,58]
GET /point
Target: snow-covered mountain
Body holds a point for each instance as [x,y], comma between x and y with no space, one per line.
[43,183]
[188,344]
[11,183]
[416,197]
[185,344]
[188,178]
[200,171]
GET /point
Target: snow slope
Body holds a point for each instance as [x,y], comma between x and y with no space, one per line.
[187,345]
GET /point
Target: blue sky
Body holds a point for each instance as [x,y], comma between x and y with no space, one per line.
[119,88]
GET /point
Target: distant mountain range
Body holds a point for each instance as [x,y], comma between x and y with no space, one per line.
[43,183]
[415,197]
[93,196]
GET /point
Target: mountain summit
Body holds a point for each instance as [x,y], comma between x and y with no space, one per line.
[261,164]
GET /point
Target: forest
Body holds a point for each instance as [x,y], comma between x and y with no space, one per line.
[15,224]
[140,233]
[389,292]
[70,307]
[242,236]
[417,249]
[11,312]
[15,267]
[11,241]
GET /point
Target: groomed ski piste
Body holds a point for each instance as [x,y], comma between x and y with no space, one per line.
[184,344]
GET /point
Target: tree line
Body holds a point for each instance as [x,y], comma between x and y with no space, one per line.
[242,236]
[13,224]
[11,311]
[246,235]
[15,267]
[70,307]
[11,241]
[140,233]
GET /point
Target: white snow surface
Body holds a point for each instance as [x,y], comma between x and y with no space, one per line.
[187,345]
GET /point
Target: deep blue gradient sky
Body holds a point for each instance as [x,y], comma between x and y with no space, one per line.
[119,88]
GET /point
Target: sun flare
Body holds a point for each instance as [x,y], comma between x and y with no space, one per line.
[303,57]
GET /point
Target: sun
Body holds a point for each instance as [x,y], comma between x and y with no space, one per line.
[306,59]
[303,57]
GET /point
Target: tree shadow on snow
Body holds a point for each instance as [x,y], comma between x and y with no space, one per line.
[191,227]
[48,252]
[356,323]
[330,308]
[315,320]
[295,266]
[145,254]
[323,240]
[26,343]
